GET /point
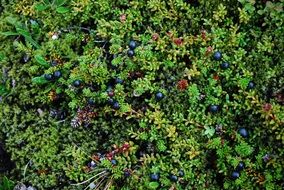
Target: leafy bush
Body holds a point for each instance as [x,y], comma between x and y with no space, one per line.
[143,94]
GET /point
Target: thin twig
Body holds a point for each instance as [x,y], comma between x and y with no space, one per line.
[25,170]
[89,179]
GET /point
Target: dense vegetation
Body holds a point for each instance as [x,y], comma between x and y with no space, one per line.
[142,94]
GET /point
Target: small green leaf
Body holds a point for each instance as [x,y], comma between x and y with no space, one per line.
[41,7]
[153,185]
[244,83]
[41,60]
[209,132]
[59,2]
[62,10]
[9,33]
[39,80]
[23,32]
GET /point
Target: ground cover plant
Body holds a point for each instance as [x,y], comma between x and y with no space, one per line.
[142,94]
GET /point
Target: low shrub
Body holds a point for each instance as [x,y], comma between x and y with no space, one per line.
[143,94]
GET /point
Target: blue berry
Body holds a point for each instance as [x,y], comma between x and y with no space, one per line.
[154,177]
[217,55]
[116,106]
[243,132]
[173,178]
[130,53]
[110,101]
[235,175]
[127,173]
[57,74]
[77,83]
[48,77]
[114,162]
[181,173]
[91,102]
[118,81]
[251,85]
[225,65]
[132,45]
[214,108]
[159,96]
[240,166]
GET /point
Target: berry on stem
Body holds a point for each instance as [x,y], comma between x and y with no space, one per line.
[225,65]
[77,83]
[57,74]
[240,166]
[130,53]
[48,77]
[251,85]
[132,45]
[173,178]
[116,106]
[235,175]
[159,96]
[154,177]
[243,132]
[214,108]
[217,55]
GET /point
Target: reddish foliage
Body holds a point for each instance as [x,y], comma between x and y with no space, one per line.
[267,107]
[178,41]
[155,37]
[182,84]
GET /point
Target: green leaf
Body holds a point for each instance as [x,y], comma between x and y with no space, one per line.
[153,185]
[169,64]
[39,80]
[27,36]
[41,60]
[244,83]
[12,21]
[59,2]
[209,131]
[2,56]
[62,10]
[40,7]
[9,33]
[23,32]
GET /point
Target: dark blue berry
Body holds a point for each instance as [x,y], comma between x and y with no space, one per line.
[91,102]
[217,55]
[118,81]
[54,63]
[173,178]
[243,132]
[154,177]
[132,45]
[235,175]
[240,166]
[214,108]
[159,96]
[181,173]
[130,53]
[225,65]
[110,101]
[251,85]
[127,173]
[114,162]
[48,77]
[57,74]
[116,106]
[25,58]
[77,83]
